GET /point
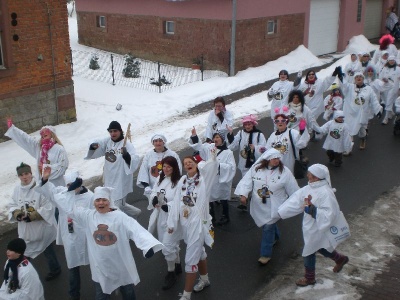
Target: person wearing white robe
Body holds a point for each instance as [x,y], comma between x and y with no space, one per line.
[299,112]
[48,150]
[352,67]
[280,140]
[108,232]
[218,119]
[279,91]
[360,102]
[319,206]
[151,166]
[385,45]
[380,64]
[365,61]
[36,222]
[191,211]
[250,142]
[333,102]
[21,281]
[222,185]
[161,201]
[121,161]
[270,183]
[70,234]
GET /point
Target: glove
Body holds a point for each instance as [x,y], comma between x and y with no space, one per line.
[126,156]
[147,191]
[123,150]
[302,124]
[93,146]
[149,253]
[164,207]
[208,140]
[311,210]
[76,184]
[337,71]
[155,201]
[9,123]
[379,115]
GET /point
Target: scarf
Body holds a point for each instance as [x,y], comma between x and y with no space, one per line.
[279,132]
[391,66]
[296,108]
[250,159]
[308,81]
[13,266]
[47,144]
[189,184]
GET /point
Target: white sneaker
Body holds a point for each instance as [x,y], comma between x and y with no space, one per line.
[385,121]
[184,298]
[201,285]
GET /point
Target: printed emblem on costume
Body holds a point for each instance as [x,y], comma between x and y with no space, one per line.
[292,118]
[110,156]
[359,101]
[103,237]
[350,73]
[155,170]
[214,127]
[335,134]
[282,148]
[278,96]
[264,193]
[309,92]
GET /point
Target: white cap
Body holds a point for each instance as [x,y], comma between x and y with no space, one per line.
[49,127]
[391,57]
[359,74]
[338,114]
[271,154]
[321,172]
[158,136]
[70,176]
[102,192]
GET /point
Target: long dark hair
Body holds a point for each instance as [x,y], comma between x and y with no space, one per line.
[264,164]
[300,95]
[176,174]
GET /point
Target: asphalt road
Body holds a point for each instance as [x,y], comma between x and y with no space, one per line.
[233,268]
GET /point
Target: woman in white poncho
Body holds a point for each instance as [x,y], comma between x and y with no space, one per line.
[319,206]
[269,183]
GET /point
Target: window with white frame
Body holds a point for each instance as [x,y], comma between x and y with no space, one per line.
[169,27]
[102,21]
[272,27]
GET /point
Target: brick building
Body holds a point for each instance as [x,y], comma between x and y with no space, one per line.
[176,31]
[36,87]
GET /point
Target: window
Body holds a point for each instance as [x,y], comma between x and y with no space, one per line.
[102,21]
[272,27]
[359,10]
[169,27]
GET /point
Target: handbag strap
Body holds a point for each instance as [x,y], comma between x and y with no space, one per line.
[291,142]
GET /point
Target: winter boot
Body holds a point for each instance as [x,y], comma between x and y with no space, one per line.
[363,143]
[178,269]
[308,279]
[340,261]
[169,281]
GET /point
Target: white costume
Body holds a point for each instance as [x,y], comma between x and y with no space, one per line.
[314,230]
[338,137]
[151,166]
[279,94]
[391,50]
[191,210]
[331,104]
[350,69]
[222,185]
[214,123]
[281,142]
[277,187]
[57,156]
[107,235]
[38,234]
[30,286]
[392,74]
[313,94]
[241,140]
[295,115]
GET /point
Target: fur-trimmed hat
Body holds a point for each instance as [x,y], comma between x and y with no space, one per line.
[23,168]
[250,118]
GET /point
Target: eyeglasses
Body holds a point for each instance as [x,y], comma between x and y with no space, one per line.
[279,121]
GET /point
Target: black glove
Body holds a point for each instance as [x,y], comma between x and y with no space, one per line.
[126,156]
[93,146]
[149,253]
[195,139]
[164,207]
[208,140]
[76,184]
[231,138]
[27,219]
[44,181]
[311,210]
[379,115]
[155,201]
[338,70]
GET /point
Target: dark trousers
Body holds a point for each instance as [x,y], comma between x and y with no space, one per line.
[334,156]
[127,291]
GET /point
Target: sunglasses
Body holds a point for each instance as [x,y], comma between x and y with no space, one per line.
[279,121]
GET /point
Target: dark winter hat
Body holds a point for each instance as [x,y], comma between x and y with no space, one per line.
[284,72]
[17,245]
[114,125]
[23,168]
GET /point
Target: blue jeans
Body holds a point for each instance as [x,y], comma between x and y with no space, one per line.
[74,282]
[270,233]
[51,258]
[309,261]
[127,291]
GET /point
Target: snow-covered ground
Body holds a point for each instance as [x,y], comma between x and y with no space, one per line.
[150,112]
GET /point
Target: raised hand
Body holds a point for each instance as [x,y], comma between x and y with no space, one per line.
[9,122]
[194,133]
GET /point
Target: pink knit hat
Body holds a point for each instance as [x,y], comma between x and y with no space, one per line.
[250,118]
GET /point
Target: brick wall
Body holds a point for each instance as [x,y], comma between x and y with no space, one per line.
[27,81]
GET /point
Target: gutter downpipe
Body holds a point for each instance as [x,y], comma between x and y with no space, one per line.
[233,40]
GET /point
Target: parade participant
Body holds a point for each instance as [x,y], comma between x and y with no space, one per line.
[108,232]
[284,139]
[365,61]
[121,161]
[352,67]
[380,64]
[279,91]
[151,166]
[320,208]
[70,234]
[333,102]
[392,22]
[250,142]
[191,211]
[385,44]
[338,139]
[160,201]
[300,116]
[360,103]
[21,281]
[270,183]
[390,74]
[222,185]
[47,151]
[36,222]
[218,119]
